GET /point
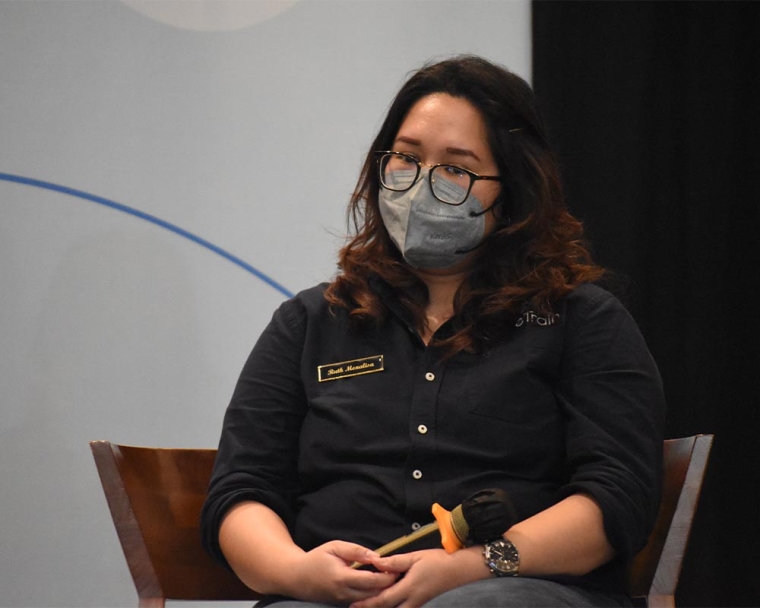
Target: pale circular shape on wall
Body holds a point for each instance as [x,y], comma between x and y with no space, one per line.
[210,15]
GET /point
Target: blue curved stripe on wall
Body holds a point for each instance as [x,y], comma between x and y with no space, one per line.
[148,218]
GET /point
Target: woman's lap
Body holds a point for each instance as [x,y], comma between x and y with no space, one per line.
[502,593]
[523,593]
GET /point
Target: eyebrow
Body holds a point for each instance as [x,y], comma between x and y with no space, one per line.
[451,149]
[462,152]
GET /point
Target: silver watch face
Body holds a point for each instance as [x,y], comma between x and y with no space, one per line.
[502,558]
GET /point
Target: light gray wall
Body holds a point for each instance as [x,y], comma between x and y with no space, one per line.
[242,123]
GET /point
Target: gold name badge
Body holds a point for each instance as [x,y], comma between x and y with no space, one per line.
[346,369]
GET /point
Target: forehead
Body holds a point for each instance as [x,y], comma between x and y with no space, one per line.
[441,116]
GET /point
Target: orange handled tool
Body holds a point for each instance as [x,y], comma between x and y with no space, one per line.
[484,516]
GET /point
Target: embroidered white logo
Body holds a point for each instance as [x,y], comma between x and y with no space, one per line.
[531,318]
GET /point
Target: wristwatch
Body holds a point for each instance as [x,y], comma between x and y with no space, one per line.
[502,558]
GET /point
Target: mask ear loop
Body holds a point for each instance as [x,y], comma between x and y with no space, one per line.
[505,220]
[477,214]
[486,210]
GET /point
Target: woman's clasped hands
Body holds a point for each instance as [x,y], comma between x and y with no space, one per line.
[423,575]
[324,574]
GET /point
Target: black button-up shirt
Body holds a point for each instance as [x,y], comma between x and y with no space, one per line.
[354,435]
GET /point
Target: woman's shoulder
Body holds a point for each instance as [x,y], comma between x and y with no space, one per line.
[308,300]
[589,293]
[294,314]
[307,303]
[588,300]
[312,296]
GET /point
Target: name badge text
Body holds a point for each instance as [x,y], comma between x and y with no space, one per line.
[346,369]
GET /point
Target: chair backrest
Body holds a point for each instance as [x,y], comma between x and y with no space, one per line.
[155,496]
[655,570]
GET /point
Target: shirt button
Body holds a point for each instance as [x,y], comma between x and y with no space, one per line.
[416,526]
[430,376]
[417,474]
[422,429]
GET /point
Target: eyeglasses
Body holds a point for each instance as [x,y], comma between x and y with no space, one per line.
[448,183]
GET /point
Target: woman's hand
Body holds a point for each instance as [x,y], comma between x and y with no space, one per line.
[258,546]
[324,574]
[427,574]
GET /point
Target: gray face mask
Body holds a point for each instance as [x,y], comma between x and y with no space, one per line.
[427,232]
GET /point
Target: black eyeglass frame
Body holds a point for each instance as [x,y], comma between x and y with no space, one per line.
[474,177]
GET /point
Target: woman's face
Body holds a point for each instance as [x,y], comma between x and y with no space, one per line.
[444,129]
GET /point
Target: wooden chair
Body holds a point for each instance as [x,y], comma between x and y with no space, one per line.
[655,570]
[156,494]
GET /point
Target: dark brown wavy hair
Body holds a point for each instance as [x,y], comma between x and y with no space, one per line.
[536,254]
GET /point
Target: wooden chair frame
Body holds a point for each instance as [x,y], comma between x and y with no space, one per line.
[655,570]
[155,496]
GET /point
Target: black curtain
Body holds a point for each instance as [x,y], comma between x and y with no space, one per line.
[654,109]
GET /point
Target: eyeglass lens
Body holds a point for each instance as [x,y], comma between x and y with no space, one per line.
[449,183]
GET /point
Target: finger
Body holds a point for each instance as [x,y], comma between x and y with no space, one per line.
[395,563]
[371,581]
[351,552]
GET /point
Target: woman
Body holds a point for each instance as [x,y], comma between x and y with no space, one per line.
[462,346]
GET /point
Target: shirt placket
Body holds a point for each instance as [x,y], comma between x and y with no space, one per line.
[419,474]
